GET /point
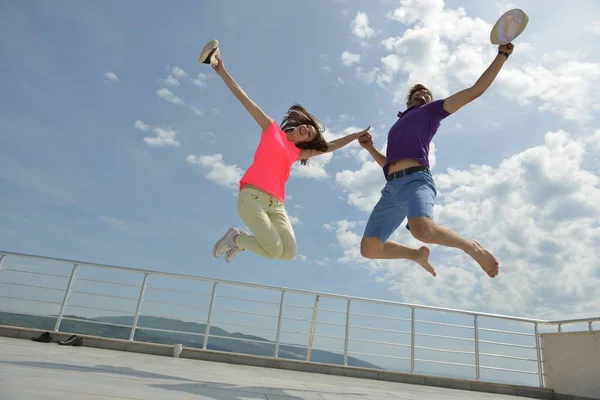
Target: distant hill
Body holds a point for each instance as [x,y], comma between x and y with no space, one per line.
[222,343]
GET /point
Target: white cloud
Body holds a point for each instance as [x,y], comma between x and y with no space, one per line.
[170,81]
[350,58]
[593,27]
[569,89]
[324,64]
[537,211]
[141,125]
[225,175]
[294,219]
[447,50]
[169,96]
[316,166]
[164,137]
[110,77]
[179,73]
[360,26]
[197,111]
[201,79]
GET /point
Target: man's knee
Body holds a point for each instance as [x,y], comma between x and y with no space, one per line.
[370,247]
[423,229]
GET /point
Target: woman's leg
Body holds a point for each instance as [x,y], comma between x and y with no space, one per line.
[253,208]
[278,215]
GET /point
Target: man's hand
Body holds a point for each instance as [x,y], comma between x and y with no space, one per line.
[366,140]
[507,48]
[219,67]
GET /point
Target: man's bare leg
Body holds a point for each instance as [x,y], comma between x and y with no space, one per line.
[426,230]
[372,247]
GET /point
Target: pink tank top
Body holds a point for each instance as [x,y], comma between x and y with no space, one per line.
[272,162]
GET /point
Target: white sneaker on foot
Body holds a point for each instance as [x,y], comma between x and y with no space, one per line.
[225,243]
[235,250]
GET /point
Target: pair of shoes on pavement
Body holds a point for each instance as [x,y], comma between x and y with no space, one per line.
[226,244]
[46,337]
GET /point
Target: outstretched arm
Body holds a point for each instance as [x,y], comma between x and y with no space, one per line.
[333,145]
[262,119]
[464,97]
[366,141]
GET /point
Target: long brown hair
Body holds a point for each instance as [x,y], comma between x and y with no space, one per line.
[296,116]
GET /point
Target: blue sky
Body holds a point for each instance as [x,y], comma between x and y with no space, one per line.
[84,83]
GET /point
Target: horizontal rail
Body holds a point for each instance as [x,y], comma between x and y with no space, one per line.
[381,316]
[445,362]
[507,344]
[33,272]
[509,370]
[91,321]
[379,342]
[243,325]
[509,357]
[145,328]
[288,290]
[102,295]
[445,350]
[378,329]
[175,304]
[184,319]
[107,282]
[443,324]
[31,286]
[242,339]
[24,299]
[508,332]
[245,299]
[98,308]
[244,312]
[380,355]
[177,291]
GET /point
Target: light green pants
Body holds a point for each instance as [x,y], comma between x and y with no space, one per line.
[267,218]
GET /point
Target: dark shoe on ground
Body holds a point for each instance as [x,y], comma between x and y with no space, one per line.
[73,340]
[45,337]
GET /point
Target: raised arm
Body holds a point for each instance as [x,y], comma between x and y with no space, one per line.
[464,97]
[333,145]
[262,119]
[366,141]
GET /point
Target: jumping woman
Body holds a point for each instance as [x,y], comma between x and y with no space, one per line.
[261,200]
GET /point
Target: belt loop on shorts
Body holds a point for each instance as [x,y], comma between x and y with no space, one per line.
[404,172]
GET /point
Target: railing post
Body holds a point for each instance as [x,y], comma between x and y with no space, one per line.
[412,340]
[312,328]
[477,369]
[138,308]
[207,330]
[65,298]
[279,318]
[560,327]
[539,356]
[347,334]
[590,326]
[2,259]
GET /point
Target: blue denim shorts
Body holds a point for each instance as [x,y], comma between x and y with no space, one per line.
[409,196]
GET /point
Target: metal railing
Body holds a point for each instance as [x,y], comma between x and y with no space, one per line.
[416,338]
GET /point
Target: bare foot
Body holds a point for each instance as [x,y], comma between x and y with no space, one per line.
[484,258]
[423,259]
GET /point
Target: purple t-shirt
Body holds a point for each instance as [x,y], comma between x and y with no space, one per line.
[411,135]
